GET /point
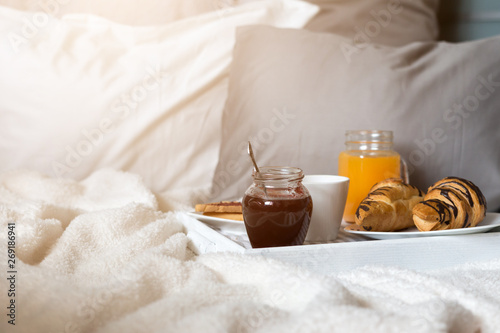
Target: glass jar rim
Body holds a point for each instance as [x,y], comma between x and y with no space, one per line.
[278,173]
[365,136]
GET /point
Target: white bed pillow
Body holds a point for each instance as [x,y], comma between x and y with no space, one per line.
[83,93]
[388,22]
[295,93]
[130,12]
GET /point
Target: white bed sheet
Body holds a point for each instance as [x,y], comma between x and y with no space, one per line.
[98,255]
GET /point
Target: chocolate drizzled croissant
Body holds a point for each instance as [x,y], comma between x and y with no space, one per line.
[450,203]
[388,206]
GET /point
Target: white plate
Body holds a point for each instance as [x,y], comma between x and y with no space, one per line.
[221,224]
[492,220]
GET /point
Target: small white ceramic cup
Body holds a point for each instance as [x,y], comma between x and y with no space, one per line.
[329,195]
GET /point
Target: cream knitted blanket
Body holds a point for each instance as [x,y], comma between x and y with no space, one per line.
[98,256]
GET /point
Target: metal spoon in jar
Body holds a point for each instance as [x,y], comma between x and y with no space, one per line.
[250,152]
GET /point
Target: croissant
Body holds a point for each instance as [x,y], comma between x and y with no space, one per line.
[388,206]
[450,203]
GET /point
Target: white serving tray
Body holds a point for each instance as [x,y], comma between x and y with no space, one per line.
[351,251]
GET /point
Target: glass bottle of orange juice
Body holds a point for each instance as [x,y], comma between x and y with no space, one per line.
[368,159]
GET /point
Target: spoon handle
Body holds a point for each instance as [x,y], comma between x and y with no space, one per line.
[250,152]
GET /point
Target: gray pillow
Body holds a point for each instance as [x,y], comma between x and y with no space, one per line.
[294,94]
[387,22]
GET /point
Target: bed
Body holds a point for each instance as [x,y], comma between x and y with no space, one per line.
[116,119]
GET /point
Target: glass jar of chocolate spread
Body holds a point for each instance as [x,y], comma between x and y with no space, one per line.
[277,207]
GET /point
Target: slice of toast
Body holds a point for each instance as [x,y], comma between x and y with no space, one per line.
[220,207]
[229,216]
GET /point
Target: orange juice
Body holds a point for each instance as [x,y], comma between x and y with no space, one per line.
[364,169]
